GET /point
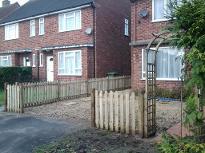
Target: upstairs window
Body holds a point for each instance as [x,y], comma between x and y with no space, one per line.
[32,28]
[12,31]
[5,61]
[70,21]
[126,33]
[41,26]
[161,10]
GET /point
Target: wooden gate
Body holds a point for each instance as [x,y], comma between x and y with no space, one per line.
[119,111]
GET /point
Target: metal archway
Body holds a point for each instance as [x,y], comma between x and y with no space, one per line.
[150,87]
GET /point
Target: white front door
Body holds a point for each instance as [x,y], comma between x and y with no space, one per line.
[50,72]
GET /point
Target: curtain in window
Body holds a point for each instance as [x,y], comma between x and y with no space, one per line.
[159,9]
[70,21]
[168,66]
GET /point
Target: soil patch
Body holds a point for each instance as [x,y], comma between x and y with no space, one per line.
[98,141]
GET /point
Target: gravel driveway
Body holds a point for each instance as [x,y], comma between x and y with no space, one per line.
[168,114]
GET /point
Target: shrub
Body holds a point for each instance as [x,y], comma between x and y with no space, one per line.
[176,145]
[172,93]
[15,74]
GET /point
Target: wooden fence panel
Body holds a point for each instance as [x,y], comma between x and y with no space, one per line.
[38,93]
[119,111]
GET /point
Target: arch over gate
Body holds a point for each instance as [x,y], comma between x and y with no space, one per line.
[150,84]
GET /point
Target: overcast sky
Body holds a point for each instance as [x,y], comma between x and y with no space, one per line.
[21,2]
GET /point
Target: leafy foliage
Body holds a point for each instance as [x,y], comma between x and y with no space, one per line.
[188,31]
[15,74]
[193,118]
[176,145]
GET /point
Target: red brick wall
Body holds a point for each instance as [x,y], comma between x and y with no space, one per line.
[112,47]
[142,29]
[51,37]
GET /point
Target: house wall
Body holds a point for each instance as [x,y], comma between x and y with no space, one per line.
[51,38]
[112,46]
[142,29]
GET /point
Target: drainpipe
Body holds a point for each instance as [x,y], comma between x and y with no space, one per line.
[94,40]
[38,60]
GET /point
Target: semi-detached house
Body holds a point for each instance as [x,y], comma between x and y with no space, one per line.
[147,17]
[68,39]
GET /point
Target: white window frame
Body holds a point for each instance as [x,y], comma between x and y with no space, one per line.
[34,60]
[7,58]
[67,74]
[25,63]
[64,28]
[32,28]
[8,35]
[160,79]
[41,60]
[41,23]
[165,11]
[126,26]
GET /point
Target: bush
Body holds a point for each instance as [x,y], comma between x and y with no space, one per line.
[172,93]
[15,74]
[176,145]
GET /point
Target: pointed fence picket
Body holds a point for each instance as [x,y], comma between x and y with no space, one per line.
[21,95]
[119,111]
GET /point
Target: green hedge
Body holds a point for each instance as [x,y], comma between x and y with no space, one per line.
[15,74]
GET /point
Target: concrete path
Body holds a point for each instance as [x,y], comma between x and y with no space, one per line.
[20,134]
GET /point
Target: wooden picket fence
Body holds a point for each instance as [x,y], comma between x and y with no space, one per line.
[21,95]
[119,111]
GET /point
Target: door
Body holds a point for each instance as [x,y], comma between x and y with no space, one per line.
[50,72]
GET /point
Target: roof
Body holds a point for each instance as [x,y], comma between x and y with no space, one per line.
[39,7]
[6,11]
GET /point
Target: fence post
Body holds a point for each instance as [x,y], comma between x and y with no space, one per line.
[21,98]
[93,108]
[5,97]
[58,90]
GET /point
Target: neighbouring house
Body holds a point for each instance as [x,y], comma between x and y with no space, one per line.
[147,17]
[7,9]
[68,39]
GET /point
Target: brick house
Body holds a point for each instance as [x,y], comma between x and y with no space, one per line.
[68,39]
[147,17]
[7,8]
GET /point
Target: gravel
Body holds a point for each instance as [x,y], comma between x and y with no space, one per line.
[92,140]
[168,114]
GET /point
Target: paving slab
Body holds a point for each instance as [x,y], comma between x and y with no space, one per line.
[21,134]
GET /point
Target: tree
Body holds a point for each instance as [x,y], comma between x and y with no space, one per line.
[188,32]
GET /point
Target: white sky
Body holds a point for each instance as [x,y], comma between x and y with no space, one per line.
[21,2]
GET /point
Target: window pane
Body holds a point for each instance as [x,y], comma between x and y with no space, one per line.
[69,65]
[159,9]
[70,22]
[78,20]
[41,26]
[61,61]
[61,22]
[5,61]
[78,60]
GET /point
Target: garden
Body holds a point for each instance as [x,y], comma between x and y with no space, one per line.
[187,30]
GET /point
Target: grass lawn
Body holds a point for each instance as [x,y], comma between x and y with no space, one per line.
[97,141]
[1,97]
